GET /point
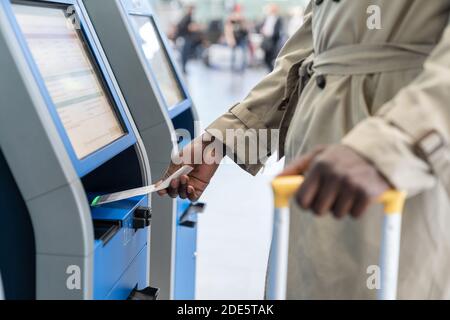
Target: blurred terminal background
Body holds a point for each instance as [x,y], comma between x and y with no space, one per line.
[224,48]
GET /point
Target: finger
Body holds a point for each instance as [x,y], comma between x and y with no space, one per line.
[173,189]
[300,165]
[161,192]
[344,203]
[182,190]
[198,185]
[361,204]
[326,195]
[297,167]
[308,190]
[192,194]
[170,170]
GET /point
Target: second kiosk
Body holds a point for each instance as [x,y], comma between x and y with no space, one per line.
[166,119]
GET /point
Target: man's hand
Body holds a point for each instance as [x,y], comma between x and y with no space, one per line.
[337,180]
[205,164]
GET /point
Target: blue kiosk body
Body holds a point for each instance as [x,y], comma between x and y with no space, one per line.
[67,136]
[178,103]
[166,118]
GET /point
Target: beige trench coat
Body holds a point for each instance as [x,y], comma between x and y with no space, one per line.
[386,94]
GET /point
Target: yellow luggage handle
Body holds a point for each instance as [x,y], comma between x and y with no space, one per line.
[393,202]
[285,187]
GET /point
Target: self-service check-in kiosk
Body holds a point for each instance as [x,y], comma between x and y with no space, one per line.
[66,136]
[160,105]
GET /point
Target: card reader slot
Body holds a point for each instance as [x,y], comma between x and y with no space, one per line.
[106,230]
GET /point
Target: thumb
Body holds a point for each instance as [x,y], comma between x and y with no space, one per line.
[169,171]
[301,165]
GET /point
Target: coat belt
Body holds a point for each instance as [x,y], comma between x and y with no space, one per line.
[360,59]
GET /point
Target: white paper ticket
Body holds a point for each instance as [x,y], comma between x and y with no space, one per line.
[113,197]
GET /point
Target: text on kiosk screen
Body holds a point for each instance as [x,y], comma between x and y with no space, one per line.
[81,100]
[158,59]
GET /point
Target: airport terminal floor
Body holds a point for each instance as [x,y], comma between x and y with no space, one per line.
[235,230]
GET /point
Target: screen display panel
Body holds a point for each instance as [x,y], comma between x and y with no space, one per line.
[159,61]
[71,76]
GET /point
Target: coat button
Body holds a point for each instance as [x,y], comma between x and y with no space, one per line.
[321,81]
[319,2]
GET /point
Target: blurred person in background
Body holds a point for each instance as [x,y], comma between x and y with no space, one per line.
[272,31]
[190,32]
[237,37]
[296,20]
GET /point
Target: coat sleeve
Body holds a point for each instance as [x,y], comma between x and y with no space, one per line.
[408,140]
[261,108]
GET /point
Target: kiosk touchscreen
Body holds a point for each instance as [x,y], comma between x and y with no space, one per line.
[66,136]
[158,59]
[166,119]
[81,100]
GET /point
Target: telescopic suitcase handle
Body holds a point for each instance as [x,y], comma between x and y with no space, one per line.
[393,202]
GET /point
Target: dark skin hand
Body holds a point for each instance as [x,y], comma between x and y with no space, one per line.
[191,186]
[337,180]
